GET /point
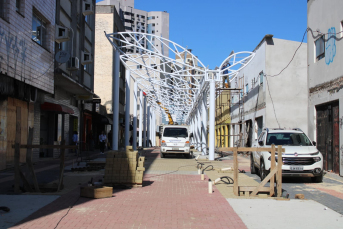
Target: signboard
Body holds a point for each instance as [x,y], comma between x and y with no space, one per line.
[84,97]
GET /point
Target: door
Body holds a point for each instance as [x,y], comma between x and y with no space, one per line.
[328,135]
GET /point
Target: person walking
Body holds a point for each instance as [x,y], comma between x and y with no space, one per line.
[102,140]
[75,140]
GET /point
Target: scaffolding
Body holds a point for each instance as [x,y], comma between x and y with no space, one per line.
[225,134]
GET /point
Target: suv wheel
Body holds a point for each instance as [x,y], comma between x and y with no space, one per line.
[263,171]
[161,154]
[252,166]
[318,179]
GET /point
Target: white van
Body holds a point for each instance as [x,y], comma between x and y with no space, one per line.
[175,140]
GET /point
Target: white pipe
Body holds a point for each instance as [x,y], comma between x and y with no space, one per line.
[204,124]
[140,117]
[127,107]
[134,131]
[199,130]
[115,101]
[144,122]
[210,188]
[148,125]
[212,119]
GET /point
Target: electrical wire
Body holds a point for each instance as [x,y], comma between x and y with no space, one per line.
[70,207]
[272,102]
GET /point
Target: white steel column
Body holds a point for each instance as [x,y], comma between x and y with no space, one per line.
[148,125]
[134,131]
[140,117]
[144,123]
[212,118]
[115,100]
[204,123]
[127,107]
[199,128]
[153,129]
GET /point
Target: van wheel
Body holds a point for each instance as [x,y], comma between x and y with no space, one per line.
[161,155]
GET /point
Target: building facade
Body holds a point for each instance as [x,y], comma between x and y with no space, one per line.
[46,71]
[27,30]
[264,97]
[119,16]
[325,80]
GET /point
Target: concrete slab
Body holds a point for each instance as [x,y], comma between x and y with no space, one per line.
[267,213]
[21,206]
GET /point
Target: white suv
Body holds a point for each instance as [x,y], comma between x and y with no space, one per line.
[301,157]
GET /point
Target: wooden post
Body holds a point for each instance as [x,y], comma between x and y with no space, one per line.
[17,152]
[279,173]
[29,160]
[271,169]
[62,156]
[235,172]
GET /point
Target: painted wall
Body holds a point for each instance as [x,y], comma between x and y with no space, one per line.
[287,90]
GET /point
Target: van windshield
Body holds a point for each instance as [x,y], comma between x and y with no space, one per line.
[175,132]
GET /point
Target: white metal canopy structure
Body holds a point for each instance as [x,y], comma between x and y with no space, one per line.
[173,78]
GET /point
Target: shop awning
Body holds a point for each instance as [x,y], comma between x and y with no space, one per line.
[58,108]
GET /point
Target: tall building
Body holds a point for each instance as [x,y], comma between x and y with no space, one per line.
[325,80]
[135,20]
[120,16]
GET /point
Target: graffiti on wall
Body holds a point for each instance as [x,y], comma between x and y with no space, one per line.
[14,47]
[330,46]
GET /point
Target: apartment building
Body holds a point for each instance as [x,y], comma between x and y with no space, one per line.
[109,15]
[108,20]
[264,97]
[325,80]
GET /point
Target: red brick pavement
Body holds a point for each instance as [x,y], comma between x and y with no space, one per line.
[165,201]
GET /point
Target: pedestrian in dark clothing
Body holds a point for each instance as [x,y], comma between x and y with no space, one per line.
[75,140]
[102,140]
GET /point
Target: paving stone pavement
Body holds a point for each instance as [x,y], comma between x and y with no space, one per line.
[170,198]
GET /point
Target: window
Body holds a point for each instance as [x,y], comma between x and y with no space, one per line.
[86,68]
[3,10]
[246,88]
[261,77]
[341,28]
[320,48]
[39,31]
[17,5]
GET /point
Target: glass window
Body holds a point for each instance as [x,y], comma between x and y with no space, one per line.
[17,5]
[38,30]
[247,88]
[261,77]
[291,139]
[2,9]
[320,48]
[175,132]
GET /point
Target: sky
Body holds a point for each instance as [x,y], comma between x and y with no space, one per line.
[212,29]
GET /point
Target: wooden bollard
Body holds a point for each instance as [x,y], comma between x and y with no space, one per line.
[202,176]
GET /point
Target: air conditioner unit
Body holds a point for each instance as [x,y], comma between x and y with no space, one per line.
[86,58]
[87,8]
[61,34]
[73,64]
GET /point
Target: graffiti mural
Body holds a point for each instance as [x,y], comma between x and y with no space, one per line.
[16,47]
[330,46]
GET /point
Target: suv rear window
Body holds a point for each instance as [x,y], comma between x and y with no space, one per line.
[290,139]
[175,132]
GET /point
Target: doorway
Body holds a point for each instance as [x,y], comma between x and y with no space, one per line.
[328,135]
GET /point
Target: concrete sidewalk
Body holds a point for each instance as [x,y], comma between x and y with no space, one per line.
[173,196]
